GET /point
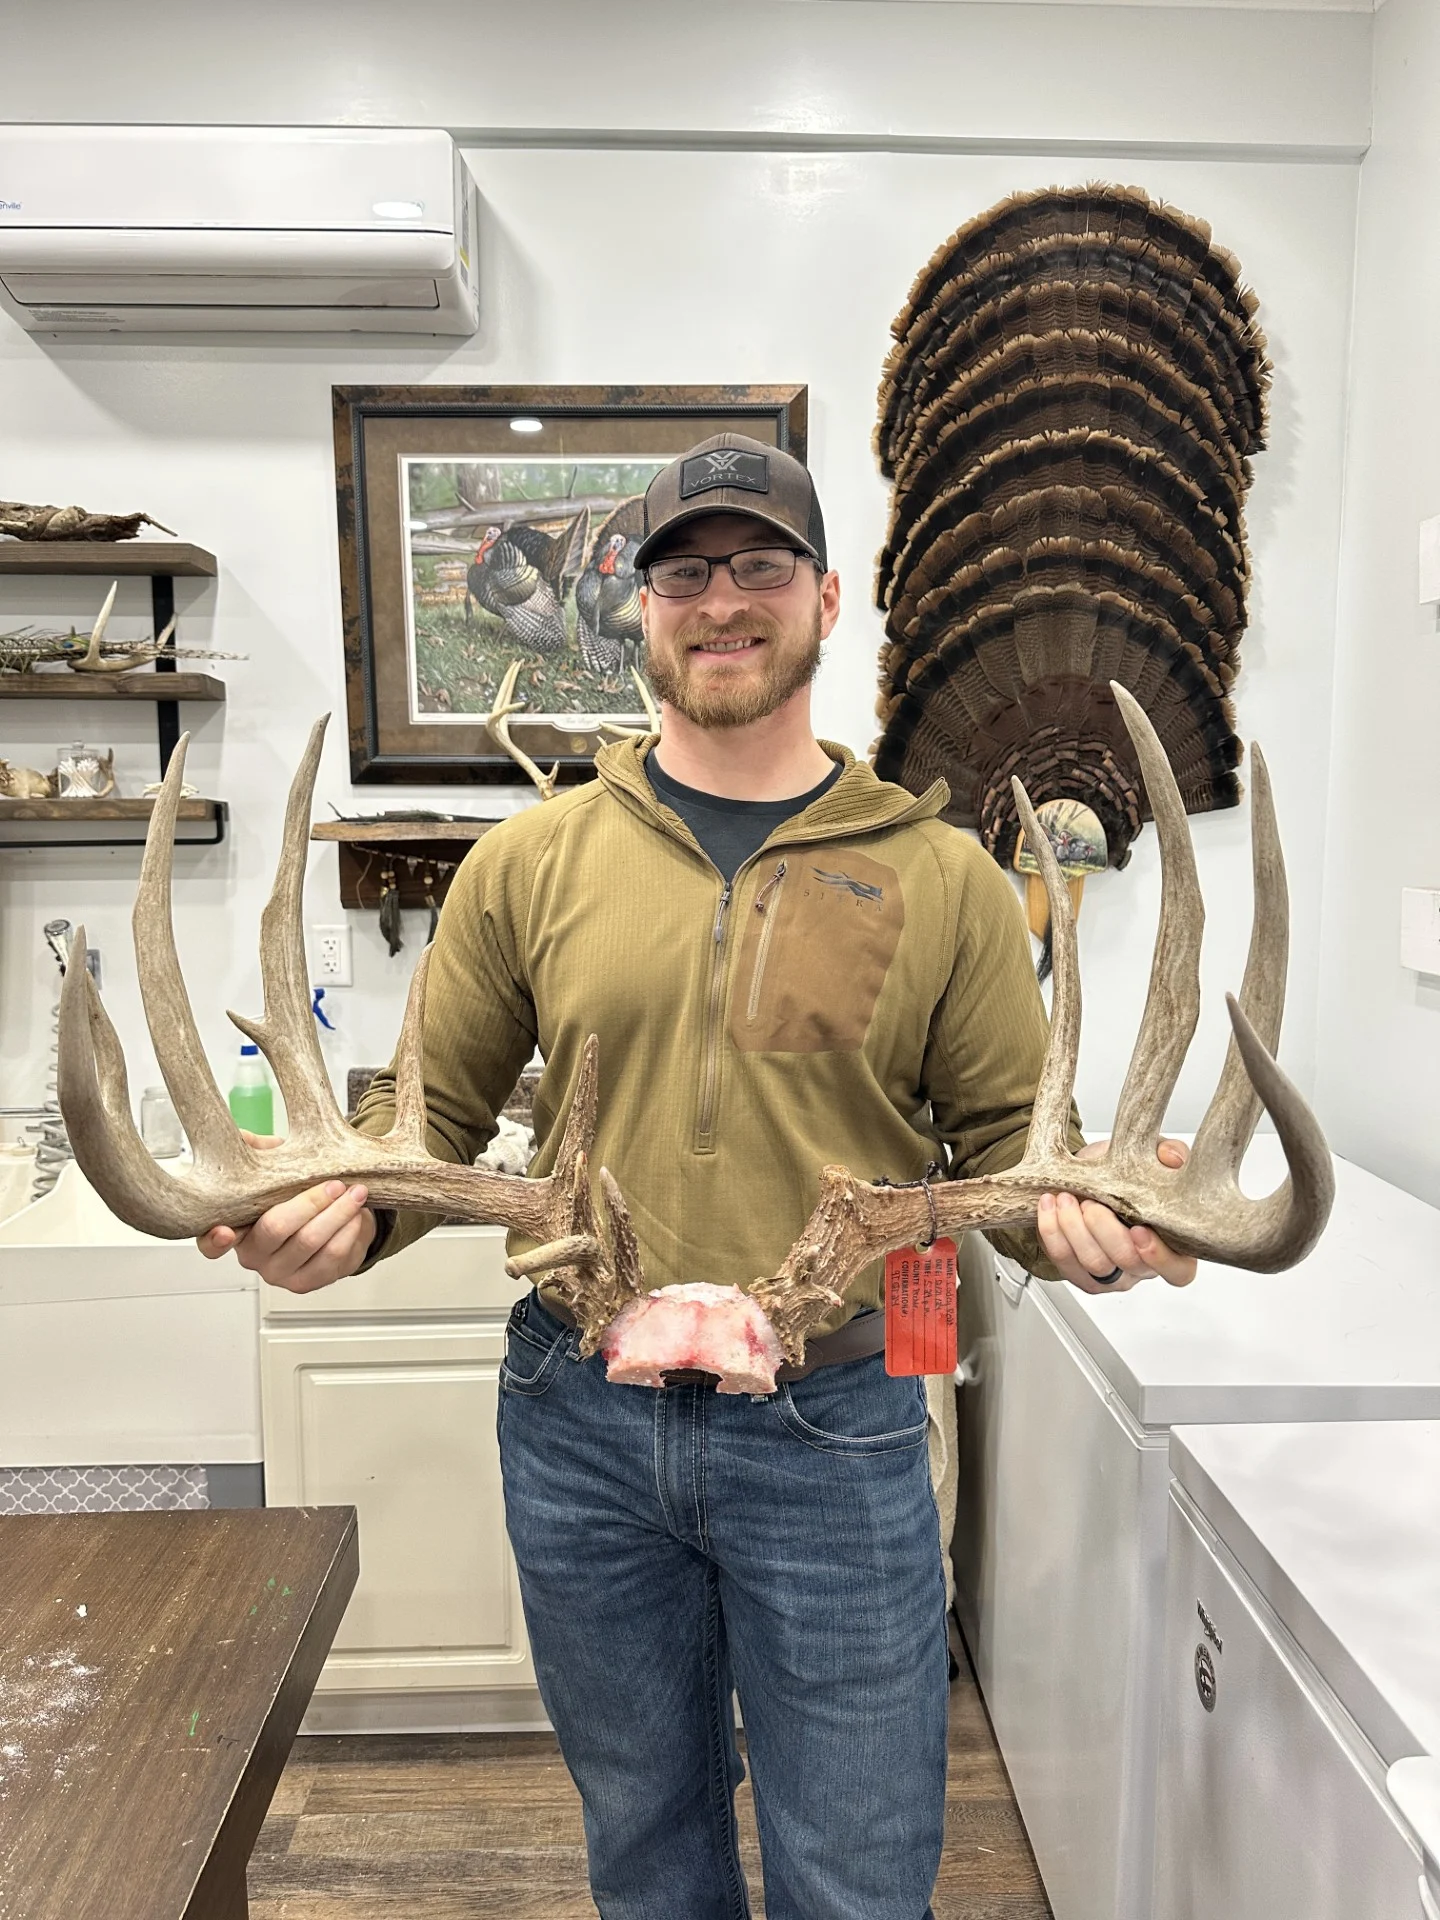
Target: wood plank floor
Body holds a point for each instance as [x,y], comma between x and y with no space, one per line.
[470,1826]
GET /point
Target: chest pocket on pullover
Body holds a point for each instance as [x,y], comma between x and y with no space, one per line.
[817,945]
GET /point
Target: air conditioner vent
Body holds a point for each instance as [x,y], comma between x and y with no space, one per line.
[189,229]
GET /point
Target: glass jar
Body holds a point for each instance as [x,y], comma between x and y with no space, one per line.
[85,773]
[160,1124]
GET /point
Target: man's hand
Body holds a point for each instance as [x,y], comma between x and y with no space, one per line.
[320,1236]
[1085,1239]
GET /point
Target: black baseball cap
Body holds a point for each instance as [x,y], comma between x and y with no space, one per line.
[731,473]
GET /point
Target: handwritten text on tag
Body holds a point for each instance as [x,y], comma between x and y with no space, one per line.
[920,1309]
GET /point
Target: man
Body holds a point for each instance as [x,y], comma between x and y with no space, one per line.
[788,962]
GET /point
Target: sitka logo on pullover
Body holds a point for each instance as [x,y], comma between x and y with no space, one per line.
[858,887]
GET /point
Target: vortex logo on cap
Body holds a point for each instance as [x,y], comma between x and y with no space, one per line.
[725,467]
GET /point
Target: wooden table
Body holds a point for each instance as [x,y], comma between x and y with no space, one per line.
[154,1668]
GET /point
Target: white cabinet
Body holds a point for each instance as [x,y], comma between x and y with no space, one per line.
[399,1422]
[381,1393]
[1300,1661]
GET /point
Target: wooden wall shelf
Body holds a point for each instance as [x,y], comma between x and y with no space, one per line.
[408,847]
[138,684]
[35,815]
[163,561]
[173,557]
[397,833]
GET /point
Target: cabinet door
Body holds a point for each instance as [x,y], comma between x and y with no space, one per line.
[400,1424]
[1059,1578]
[1272,1805]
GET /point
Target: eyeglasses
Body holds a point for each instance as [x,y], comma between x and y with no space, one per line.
[753,569]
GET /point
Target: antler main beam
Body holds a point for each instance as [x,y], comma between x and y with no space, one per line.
[1199,1208]
[231,1183]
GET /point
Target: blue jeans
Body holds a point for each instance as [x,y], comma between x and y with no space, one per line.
[675,1544]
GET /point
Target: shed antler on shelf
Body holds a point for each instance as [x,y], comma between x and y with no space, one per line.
[1197,1209]
[231,1183]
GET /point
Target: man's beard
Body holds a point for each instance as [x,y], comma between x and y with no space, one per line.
[709,695]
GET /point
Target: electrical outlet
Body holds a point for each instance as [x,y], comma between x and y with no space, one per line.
[333,965]
[1420,929]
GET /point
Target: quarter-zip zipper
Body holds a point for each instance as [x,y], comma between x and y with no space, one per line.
[712,1018]
[767,902]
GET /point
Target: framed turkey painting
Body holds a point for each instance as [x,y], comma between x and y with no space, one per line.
[483,528]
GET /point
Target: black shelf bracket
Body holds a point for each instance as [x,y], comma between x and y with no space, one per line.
[167,712]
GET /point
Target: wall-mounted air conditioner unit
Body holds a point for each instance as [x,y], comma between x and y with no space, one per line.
[268,229]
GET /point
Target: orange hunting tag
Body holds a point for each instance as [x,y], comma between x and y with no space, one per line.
[920,1309]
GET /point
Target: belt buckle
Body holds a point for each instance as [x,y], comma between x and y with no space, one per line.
[689,1377]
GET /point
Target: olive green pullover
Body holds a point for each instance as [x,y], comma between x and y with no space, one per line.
[860,994]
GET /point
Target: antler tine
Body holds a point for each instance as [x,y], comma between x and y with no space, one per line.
[1050,1114]
[407,1130]
[582,1246]
[286,1033]
[594,1279]
[497,725]
[579,1135]
[95,1099]
[102,620]
[1230,1119]
[1172,1003]
[652,712]
[652,715]
[168,1014]
[1283,1227]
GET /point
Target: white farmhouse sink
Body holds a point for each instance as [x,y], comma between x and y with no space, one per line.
[69,1245]
[119,1349]
[17,1176]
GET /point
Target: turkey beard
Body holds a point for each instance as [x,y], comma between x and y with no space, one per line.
[699,1326]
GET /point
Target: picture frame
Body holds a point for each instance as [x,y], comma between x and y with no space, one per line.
[482,525]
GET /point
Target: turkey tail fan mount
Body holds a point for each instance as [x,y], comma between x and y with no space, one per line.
[1077,385]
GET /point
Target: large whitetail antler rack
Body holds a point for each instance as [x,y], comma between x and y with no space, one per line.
[1197,1209]
[231,1183]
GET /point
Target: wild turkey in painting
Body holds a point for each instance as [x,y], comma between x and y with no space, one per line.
[607,601]
[1068,412]
[520,575]
[607,594]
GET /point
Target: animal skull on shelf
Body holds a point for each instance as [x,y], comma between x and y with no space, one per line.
[26,783]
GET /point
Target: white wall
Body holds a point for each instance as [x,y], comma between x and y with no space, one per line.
[868,69]
[1380,1053]
[229,441]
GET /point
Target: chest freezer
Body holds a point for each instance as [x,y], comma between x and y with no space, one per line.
[1302,1661]
[1064,1431]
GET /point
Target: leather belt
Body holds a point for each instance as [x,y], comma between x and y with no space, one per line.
[860,1336]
